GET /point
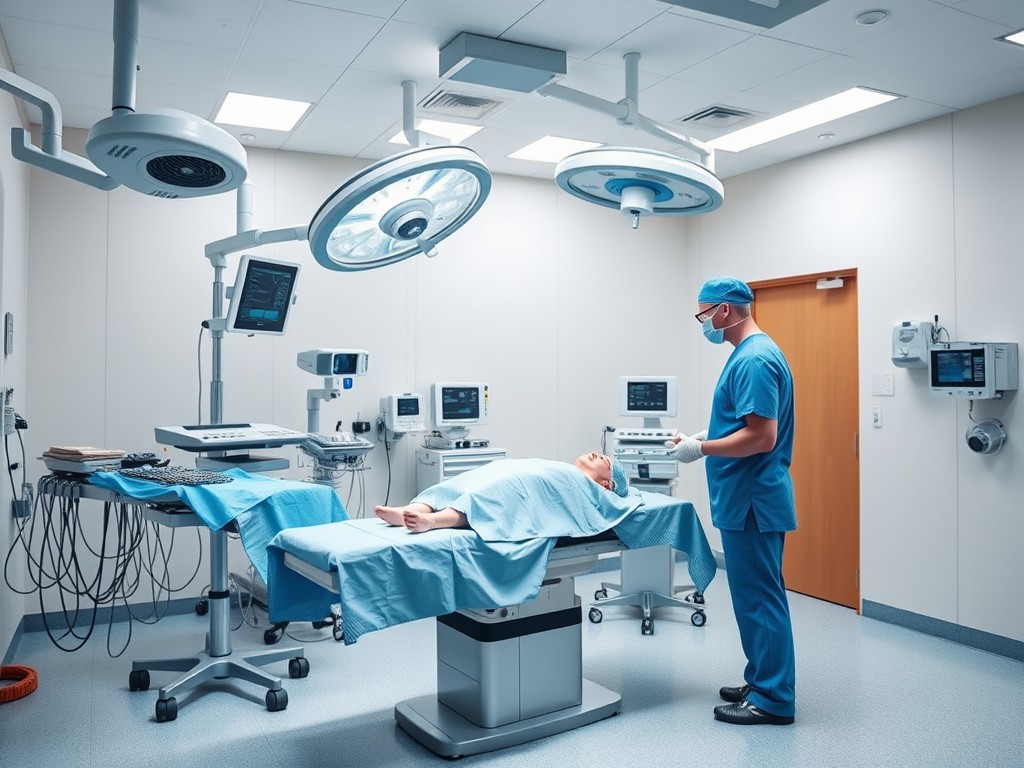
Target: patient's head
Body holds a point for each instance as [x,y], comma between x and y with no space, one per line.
[604,471]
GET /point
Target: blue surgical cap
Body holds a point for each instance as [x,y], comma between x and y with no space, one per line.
[619,481]
[725,290]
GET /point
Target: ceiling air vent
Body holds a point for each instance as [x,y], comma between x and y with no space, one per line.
[717,116]
[445,101]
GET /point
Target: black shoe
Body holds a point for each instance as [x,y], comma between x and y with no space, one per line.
[735,695]
[745,713]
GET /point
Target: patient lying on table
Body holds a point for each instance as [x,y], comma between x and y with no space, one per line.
[451,503]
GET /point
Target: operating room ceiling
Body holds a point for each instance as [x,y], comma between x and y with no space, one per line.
[349,58]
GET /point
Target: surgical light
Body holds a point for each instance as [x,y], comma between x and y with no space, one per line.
[399,207]
[640,182]
[826,110]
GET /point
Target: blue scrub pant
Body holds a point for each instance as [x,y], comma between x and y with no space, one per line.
[753,563]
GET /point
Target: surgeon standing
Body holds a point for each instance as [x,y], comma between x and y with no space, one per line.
[749,447]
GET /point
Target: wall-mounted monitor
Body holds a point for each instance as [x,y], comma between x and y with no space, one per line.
[262,296]
[458,404]
[651,397]
[972,370]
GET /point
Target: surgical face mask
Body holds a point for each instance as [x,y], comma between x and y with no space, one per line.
[712,334]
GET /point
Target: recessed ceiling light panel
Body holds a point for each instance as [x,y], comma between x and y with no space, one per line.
[398,207]
[640,182]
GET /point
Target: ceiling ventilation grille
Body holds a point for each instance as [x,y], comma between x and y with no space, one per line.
[717,116]
[445,101]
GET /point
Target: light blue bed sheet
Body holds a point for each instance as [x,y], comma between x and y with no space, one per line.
[261,506]
[388,575]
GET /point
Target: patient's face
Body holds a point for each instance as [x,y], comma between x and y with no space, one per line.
[597,467]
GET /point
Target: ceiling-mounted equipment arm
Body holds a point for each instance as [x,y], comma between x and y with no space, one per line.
[414,136]
[217,250]
[52,156]
[626,111]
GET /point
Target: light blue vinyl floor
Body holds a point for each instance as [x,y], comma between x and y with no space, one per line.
[868,694]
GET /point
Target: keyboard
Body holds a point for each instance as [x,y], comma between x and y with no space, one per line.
[641,434]
[338,440]
[176,475]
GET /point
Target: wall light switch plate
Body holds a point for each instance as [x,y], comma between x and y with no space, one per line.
[876,416]
[883,385]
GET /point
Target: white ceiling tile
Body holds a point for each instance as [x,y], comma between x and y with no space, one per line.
[1009,12]
[674,98]
[579,27]
[367,92]
[832,26]
[281,78]
[671,43]
[409,51]
[332,129]
[750,63]
[95,16]
[73,89]
[311,33]
[930,37]
[606,81]
[490,19]
[832,75]
[383,9]
[215,23]
[970,93]
[156,95]
[183,64]
[35,44]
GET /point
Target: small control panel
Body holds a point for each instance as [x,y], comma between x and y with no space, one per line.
[646,434]
[213,437]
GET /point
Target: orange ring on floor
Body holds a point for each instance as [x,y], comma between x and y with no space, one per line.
[28,681]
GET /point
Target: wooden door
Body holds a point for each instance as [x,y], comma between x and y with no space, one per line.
[817,331]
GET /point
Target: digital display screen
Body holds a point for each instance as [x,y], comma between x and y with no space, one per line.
[408,406]
[460,403]
[958,368]
[345,364]
[266,295]
[647,396]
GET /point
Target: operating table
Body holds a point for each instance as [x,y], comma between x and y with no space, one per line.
[509,670]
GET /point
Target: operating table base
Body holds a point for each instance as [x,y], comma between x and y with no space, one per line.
[445,732]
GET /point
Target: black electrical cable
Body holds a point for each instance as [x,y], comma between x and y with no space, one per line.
[387,453]
[199,370]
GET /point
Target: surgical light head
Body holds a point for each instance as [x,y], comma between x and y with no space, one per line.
[334,362]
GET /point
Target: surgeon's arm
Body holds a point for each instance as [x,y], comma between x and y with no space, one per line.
[757,437]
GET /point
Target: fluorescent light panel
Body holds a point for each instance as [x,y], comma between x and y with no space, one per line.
[260,111]
[552,149]
[456,133]
[820,112]
[1016,37]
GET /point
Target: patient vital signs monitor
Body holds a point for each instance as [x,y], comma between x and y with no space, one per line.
[459,405]
[650,397]
[262,296]
[972,370]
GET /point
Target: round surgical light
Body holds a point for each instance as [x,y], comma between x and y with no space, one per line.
[640,182]
[398,207]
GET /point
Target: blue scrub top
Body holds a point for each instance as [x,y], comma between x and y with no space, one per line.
[756,380]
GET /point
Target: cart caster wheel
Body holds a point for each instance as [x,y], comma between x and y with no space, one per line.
[277,700]
[273,635]
[698,619]
[138,680]
[595,616]
[202,607]
[337,630]
[601,594]
[166,709]
[298,667]
[697,597]
[647,627]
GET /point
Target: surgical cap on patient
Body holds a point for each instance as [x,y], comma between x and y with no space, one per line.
[619,479]
[725,290]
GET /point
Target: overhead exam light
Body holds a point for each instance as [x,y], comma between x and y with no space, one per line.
[640,182]
[398,207]
[164,152]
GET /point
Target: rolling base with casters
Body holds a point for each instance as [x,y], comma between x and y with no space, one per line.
[217,661]
[647,584]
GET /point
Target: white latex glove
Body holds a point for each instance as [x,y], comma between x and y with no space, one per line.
[687,450]
[702,435]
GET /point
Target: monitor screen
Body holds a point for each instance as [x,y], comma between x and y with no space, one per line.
[958,367]
[459,404]
[408,406]
[345,364]
[262,296]
[648,396]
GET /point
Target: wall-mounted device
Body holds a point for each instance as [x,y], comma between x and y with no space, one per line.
[973,370]
[262,296]
[910,343]
[986,437]
[334,362]
[403,413]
